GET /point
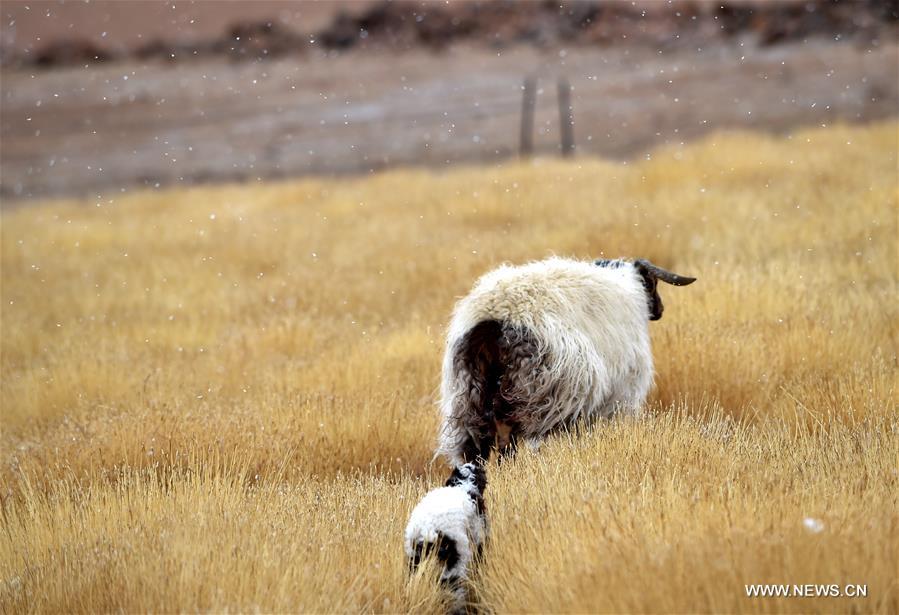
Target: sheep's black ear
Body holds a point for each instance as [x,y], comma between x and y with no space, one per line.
[650,285]
[651,274]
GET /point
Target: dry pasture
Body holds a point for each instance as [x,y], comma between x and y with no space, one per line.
[222,398]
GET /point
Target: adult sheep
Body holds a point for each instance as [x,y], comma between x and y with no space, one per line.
[534,348]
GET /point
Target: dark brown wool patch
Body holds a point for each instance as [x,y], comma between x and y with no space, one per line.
[493,358]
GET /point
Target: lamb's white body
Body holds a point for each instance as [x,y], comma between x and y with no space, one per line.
[452,522]
[447,511]
[587,351]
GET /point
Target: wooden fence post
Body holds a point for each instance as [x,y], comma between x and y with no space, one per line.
[528,101]
[566,117]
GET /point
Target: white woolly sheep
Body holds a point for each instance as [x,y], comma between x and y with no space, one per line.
[450,522]
[534,348]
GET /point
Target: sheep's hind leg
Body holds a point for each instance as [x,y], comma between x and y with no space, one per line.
[506,441]
[476,447]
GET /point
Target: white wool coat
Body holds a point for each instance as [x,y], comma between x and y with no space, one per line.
[450,512]
[590,325]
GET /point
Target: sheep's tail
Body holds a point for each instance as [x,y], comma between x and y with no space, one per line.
[476,372]
[489,375]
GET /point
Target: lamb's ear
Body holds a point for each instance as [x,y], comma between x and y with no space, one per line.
[455,478]
[480,478]
[650,285]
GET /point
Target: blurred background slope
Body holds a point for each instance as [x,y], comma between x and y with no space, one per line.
[101,97]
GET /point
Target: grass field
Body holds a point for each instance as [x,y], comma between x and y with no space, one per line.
[222,398]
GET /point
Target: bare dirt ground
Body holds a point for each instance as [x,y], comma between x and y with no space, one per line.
[109,127]
[112,127]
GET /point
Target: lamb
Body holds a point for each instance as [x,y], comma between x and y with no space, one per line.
[535,348]
[451,521]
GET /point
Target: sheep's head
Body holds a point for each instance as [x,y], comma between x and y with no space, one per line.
[651,274]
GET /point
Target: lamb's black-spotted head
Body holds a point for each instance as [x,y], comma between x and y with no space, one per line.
[444,549]
[470,476]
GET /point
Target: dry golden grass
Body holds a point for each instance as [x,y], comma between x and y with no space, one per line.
[222,398]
